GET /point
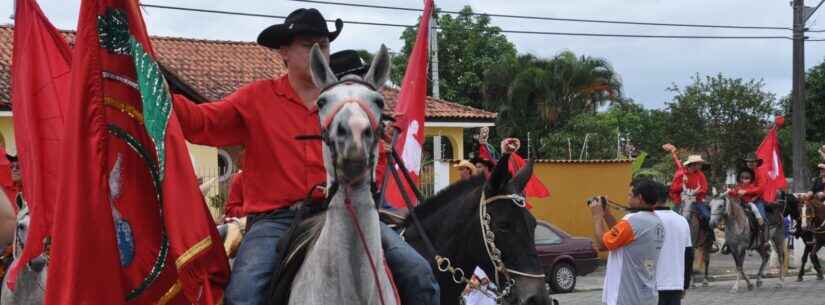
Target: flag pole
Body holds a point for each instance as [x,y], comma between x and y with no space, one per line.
[389,168]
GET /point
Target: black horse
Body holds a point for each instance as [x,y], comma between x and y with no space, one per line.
[458,218]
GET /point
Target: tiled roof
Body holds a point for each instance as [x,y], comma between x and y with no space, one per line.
[214,69]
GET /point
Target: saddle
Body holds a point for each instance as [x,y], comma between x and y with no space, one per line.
[395,218]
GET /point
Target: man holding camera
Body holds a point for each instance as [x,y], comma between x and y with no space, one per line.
[634,243]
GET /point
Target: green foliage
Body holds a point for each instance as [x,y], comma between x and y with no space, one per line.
[468,45]
[721,118]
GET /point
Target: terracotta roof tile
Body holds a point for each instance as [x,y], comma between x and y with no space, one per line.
[214,69]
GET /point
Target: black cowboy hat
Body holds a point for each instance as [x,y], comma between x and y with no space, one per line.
[301,21]
[751,157]
[348,62]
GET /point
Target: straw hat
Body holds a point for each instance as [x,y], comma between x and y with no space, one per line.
[466,164]
[821,165]
[694,159]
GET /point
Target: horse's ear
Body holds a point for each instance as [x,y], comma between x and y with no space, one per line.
[322,75]
[499,176]
[379,69]
[523,176]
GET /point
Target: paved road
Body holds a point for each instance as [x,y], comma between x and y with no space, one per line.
[808,292]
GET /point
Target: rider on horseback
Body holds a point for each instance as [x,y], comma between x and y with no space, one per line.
[748,191]
[268,117]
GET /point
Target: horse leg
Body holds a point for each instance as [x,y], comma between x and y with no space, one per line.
[779,244]
[766,257]
[738,253]
[805,253]
[815,261]
[706,259]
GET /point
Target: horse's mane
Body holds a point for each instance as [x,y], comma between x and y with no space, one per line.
[451,195]
[738,210]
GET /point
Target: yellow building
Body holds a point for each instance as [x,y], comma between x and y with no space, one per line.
[571,183]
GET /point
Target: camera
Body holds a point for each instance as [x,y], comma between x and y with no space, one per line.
[601,199]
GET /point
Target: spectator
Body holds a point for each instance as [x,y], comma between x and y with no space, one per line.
[673,272]
[634,243]
[483,166]
[465,170]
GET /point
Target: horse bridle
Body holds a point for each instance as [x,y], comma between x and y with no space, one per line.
[493,253]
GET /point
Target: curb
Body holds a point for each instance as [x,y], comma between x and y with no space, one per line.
[713,279]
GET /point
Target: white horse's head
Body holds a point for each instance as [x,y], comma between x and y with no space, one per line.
[718,210]
[350,112]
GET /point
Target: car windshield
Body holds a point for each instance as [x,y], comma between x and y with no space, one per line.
[546,236]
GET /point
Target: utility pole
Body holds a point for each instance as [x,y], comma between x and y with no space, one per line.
[434,56]
[800,171]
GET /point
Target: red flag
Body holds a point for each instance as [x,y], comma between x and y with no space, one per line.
[771,168]
[134,222]
[485,152]
[40,80]
[534,187]
[411,106]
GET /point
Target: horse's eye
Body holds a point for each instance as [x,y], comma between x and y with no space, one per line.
[379,102]
[341,130]
[368,133]
[504,226]
[321,102]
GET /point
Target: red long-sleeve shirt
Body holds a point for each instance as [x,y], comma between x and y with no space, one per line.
[234,201]
[752,191]
[265,116]
[695,181]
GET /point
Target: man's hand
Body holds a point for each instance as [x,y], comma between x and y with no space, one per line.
[741,192]
[596,207]
[669,148]
[510,145]
[822,152]
[820,195]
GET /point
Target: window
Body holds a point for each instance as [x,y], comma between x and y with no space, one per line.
[546,236]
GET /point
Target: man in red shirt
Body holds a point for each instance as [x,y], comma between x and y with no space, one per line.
[267,117]
[689,182]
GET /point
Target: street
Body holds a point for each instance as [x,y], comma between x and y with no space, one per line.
[808,292]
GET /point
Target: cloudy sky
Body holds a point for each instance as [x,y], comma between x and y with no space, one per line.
[647,66]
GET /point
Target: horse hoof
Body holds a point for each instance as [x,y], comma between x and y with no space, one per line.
[799,279]
[780,286]
[734,290]
[750,287]
[758,284]
[819,277]
[705,284]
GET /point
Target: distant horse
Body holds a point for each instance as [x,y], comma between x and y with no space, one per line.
[344,262]
[699,235]
[482,223]
[811,219]
[31,281]
[738,237]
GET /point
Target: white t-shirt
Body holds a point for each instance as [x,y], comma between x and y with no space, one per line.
[670,269]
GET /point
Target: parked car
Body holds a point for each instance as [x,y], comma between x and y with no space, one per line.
[564,257]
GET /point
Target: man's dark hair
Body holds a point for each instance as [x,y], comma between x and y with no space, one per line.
[649,190]
[663,190]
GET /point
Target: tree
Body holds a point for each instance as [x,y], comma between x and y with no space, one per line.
[721,118]
[468,46]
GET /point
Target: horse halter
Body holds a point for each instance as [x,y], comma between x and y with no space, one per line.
[376,124]
[493,253]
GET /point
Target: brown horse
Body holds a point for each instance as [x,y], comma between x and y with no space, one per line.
[812,225]
[699,237]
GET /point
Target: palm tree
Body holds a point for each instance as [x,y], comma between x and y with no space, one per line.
[551,91]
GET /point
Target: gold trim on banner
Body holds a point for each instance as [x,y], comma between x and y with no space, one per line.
[170,294]
[132,112]
[193,251]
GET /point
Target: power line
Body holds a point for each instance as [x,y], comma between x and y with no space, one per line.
[545,33]
[555,18]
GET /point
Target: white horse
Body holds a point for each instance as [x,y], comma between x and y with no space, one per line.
[346,264]
[31,282]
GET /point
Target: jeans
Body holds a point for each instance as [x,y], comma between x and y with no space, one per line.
[255,263]
[670,297]
[704,210]
[411,272]
[760,205]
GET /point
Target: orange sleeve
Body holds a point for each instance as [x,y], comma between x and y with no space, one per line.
[619,235]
